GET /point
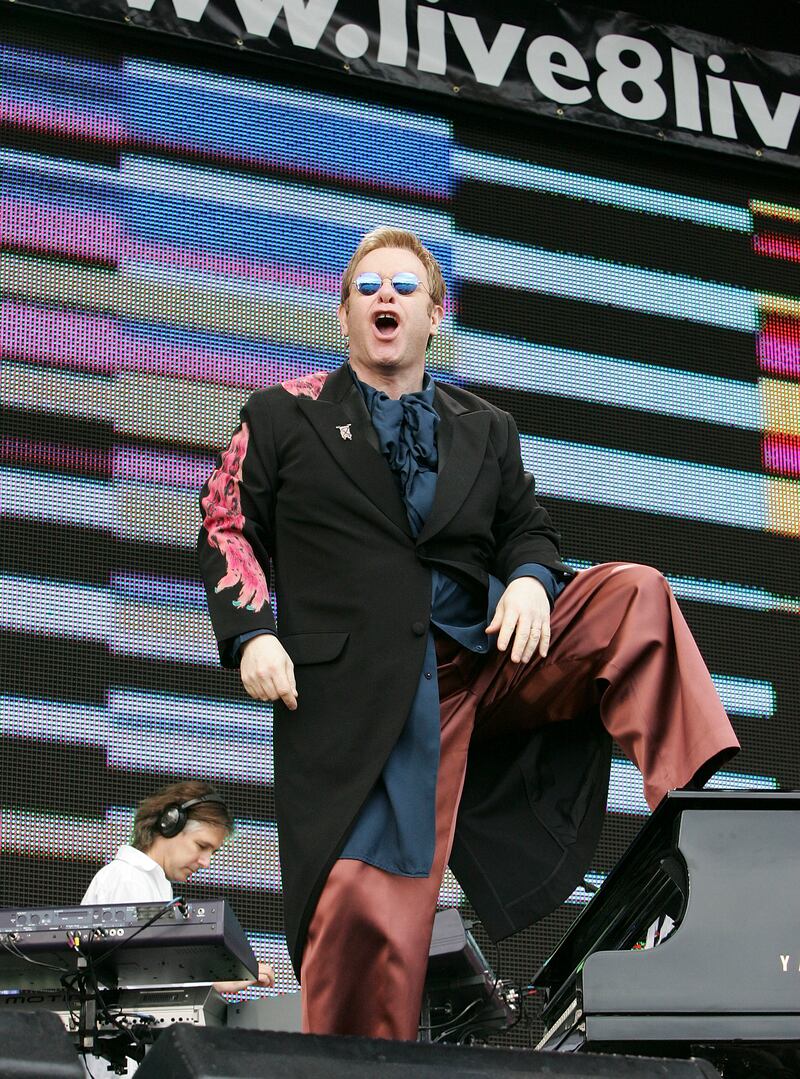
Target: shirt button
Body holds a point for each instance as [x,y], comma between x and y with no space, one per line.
[418,628]
[428,675]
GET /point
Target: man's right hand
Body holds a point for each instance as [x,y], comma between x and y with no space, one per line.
[267,671]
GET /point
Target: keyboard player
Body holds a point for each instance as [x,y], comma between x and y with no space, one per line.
[176,831]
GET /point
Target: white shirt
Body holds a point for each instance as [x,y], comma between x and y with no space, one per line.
[133,877]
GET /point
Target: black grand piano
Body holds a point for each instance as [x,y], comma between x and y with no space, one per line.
[692,943]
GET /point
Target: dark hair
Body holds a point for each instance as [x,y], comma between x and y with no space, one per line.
[148,812]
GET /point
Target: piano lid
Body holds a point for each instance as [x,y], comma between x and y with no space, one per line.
[649,880]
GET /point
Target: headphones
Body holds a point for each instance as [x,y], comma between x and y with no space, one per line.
[173,818]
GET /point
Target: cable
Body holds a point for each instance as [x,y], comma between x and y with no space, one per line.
[80,976]
[497,956]
[454,1023]
[12,948]
[523,992]
[86,1065]
[453,1018]
[76,982]
[463,1031]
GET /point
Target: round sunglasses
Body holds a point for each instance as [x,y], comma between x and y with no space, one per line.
[404,283]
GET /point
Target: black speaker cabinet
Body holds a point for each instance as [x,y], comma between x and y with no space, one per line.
[36,1044]
[207,1053]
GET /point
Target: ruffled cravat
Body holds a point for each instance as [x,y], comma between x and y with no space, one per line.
[406,431]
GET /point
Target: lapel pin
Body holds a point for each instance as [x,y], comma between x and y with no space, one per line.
[345,432]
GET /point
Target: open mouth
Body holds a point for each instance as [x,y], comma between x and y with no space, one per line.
[385,324]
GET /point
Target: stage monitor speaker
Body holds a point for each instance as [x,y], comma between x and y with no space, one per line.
[35,1044]
[208,1053]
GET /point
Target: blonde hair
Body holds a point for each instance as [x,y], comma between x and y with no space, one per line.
[386,236]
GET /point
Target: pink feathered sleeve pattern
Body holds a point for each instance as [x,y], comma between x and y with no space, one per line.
[306,385]
[224,521]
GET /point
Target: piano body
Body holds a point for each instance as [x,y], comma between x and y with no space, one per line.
[692,940]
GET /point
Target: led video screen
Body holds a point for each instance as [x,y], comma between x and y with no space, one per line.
[173,234]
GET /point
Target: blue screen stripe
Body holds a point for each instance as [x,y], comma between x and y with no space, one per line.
[314,133]
[149,73]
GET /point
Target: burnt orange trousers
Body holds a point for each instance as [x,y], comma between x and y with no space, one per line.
[619,643]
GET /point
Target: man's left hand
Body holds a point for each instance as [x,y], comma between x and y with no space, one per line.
[265,980]
[524,614]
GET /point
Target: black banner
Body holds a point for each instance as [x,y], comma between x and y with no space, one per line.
[607,69]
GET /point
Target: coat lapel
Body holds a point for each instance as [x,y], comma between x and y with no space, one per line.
[338,411]
[461,441]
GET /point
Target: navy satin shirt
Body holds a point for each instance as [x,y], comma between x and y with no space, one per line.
[396,829]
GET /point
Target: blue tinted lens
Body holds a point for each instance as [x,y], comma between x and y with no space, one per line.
[405,283]
[368,283]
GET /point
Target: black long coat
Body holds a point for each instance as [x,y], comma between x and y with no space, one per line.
[305,484]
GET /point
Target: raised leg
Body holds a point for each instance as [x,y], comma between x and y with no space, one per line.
[619,644]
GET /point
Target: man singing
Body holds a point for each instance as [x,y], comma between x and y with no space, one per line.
[445,687]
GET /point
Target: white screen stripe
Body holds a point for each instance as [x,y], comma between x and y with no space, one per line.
[132,511]
[29,605]
[634,481]
[723,593]
[470,164]
[562,469]
[281,199]
[626,787]
[545,369]
[153,732]
[745,696]
[143,743]
[579,277]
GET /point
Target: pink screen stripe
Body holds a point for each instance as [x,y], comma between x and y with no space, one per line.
[31,115]
[162,467]
[779,247]
[779,356]
[55,457]
[100,344]
[781,454]
[43,227]
[129,463]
